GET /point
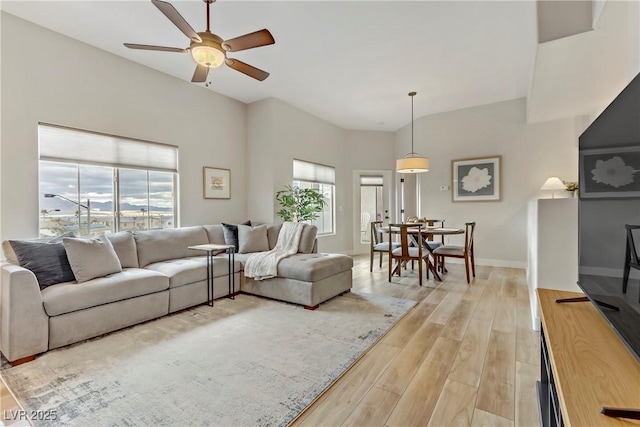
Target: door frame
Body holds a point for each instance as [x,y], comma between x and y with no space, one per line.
[387,202]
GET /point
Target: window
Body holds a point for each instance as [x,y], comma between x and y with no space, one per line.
[322,178]
[92,183]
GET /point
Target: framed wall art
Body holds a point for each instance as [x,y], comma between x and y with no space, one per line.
[217,183]
[475,180]
[610,172]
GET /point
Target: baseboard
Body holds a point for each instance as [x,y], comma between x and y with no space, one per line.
[492,263]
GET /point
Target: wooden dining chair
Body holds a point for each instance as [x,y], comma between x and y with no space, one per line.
[433,223]
[631,257]
[465,252]
[378,244]
[406,252]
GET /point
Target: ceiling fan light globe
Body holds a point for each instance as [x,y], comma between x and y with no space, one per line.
[207,56]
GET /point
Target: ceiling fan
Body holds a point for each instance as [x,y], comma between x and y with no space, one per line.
[208,49]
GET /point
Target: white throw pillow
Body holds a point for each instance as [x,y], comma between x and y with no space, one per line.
[91,258]
[252,239]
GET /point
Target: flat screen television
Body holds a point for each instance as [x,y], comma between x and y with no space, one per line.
[609,188]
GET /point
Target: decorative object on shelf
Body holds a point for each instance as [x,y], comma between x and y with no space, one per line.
[412,162]
[571,187]
[299,204]
[610,172]
[476,180]
[552,184]
[217,183]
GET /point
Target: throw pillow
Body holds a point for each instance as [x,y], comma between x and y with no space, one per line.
[252,239]
[231,233]
[48,261]
[125,246]
[307,239]
[91,258]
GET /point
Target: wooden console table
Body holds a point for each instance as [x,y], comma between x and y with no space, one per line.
[589,366]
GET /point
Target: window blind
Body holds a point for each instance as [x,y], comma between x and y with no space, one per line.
[64,144]
[371,180]
[313,172]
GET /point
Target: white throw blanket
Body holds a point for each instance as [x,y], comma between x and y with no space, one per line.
[264,265]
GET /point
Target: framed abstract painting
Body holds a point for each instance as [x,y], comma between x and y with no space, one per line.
[217,183]
[610,172]
[475,180]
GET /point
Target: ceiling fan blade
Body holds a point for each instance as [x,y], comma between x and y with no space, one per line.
[200,75]
[177,19]
[247,69]
[249,41]
[150,47]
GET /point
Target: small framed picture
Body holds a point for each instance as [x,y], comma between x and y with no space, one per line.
[476,180]
[217,183]
[610,172]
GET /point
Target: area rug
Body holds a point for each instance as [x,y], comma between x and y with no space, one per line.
[245,362]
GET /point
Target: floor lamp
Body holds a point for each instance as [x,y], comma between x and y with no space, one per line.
[411,163]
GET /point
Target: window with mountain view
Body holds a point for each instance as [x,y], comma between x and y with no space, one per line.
[106,184]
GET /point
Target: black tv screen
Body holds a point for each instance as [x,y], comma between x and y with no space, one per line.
[609,169]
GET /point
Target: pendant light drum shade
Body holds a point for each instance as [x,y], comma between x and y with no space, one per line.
[412,165]
[412,162]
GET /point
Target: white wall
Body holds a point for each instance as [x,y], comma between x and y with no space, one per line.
[76,85]
[530,154]
[278,133]
[552,261]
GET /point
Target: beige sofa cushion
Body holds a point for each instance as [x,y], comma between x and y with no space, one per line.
[125,246]
[273,230]
[91,258]
[9,253]
[173,243]
[313,267]
[308,239]
[185,271]
[215,234]
[252,239]
[129,283]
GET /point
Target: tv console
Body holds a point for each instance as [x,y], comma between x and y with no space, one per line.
[584,366]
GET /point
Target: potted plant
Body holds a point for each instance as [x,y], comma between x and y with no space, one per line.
[299,204]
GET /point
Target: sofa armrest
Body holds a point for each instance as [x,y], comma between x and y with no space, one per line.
[24,326]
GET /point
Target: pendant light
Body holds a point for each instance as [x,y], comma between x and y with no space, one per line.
[412,162]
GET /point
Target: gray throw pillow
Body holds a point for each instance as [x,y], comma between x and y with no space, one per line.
[252,239]
[125,246]
[307,239]
[91,258]
[231,233]
[48,261]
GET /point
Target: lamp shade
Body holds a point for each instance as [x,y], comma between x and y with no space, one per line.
[412,165]
[553,183]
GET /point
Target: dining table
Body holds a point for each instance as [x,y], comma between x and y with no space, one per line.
[428,231]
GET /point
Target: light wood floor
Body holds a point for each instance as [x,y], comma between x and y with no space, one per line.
[11,413]
[465,355]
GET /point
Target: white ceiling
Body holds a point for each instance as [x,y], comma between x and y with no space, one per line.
[351,63]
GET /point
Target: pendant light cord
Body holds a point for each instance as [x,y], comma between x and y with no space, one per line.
[412,94]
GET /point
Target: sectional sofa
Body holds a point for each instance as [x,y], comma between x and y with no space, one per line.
[159,275]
